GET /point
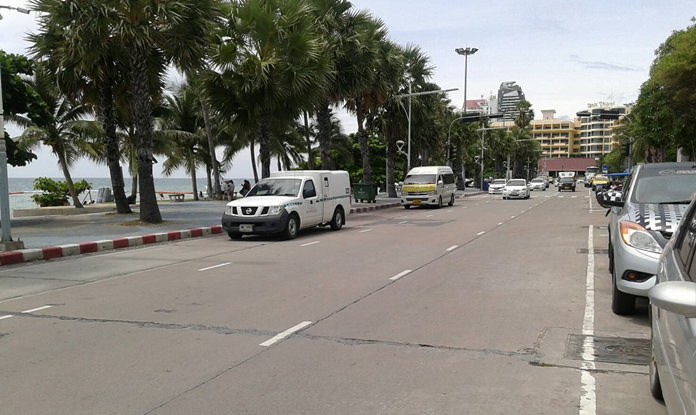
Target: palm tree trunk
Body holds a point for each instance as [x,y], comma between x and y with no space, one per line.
[68,181]
[252,150]
[112,149]
[362,140]
[265,145]
[216,192]
[324,135]
[149,210]
[310,159]
[134,186]
[192,171]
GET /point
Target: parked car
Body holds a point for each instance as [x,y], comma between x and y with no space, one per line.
[566,183]
[644,215]
[516,188]
[580,181]
[673,318]
[496,186]
[537,184]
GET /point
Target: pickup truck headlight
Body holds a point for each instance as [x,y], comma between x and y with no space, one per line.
[636,236]
[275,210]
[228,210]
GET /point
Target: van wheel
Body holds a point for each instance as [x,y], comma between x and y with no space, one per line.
[337,220]
[439,202]
[451,202]
[234,235]
[407,206]
[291,227]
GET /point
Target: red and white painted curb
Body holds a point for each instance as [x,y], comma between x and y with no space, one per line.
[364,209]
[52,252]
[26,255]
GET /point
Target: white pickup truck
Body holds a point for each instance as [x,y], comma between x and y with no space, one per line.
[289,201]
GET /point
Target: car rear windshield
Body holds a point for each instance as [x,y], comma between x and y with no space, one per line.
[515,183]
[665,186]
[498,181]
[420,179]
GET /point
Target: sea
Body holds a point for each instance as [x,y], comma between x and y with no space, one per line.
[20,189]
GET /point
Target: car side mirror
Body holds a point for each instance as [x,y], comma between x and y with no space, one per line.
[609,198]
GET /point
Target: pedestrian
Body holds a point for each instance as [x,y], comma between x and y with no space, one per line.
[246,186]
[229,190]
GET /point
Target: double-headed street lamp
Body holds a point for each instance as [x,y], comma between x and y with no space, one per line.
[6,240]
[408,115]
[466,52]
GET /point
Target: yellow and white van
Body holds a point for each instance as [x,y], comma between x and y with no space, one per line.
[428,185]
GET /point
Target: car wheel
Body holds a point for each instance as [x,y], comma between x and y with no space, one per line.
[337,220]
[653,376]
[234,235]
[291,227]
[451,202]
[621,303]
[504,198]
[611,258]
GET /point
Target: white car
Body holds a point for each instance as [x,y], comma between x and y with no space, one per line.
[537,184]
[496,187]
[516,188]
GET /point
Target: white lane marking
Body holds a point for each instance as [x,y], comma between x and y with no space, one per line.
[36,309]
[523,211]
[429,216]
[402,222]
[561,197]
[452,248]
[480,233]
[512,217]
[401,274]
[6,316]
[500,223]
[310,243]
[365,230]
[214,266]
[588,396]
[285,334]
[573,197]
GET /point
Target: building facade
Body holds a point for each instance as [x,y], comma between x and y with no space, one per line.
[557,138]
[509,95]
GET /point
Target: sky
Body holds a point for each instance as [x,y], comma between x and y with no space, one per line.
[564,54]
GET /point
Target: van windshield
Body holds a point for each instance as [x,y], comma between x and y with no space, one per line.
[420,179]
[276,187]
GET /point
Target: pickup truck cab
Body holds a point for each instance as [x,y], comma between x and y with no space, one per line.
[289,201]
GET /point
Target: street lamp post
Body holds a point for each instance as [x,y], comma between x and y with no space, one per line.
[6,241]
[466,52]
[408,115]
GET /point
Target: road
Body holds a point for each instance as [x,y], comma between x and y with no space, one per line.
[488,307]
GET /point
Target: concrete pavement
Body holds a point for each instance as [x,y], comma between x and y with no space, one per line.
[59,234]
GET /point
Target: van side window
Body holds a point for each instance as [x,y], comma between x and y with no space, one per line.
[449,178]
[309,190]
[326,182]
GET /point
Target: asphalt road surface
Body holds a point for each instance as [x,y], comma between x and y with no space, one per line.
[488,307]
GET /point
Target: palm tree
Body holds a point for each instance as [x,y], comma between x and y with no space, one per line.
[75,38]
[271,65]
[58,123]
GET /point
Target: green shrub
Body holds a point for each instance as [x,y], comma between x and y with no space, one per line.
[56,193]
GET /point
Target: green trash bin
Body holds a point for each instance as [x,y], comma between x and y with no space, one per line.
[366,192]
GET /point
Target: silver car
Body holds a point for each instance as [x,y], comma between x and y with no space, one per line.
[537,184]
[673,321]
[644,214]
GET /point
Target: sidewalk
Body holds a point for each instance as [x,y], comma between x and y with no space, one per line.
[60,235]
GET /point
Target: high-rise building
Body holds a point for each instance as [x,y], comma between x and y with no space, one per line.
[596,127]
[509,95]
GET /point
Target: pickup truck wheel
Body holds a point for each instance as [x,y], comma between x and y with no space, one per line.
[234,235]
[337,220]
[621,303]
[291,227]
